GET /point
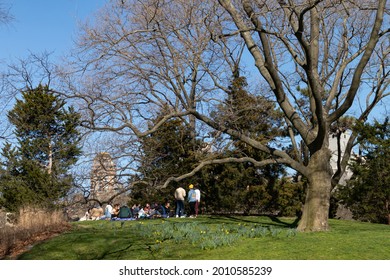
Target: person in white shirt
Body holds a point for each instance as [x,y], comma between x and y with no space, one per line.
[108,211]
[197,193]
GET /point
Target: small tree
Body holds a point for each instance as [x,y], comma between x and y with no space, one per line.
[36,170]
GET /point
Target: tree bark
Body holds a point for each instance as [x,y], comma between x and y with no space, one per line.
[316,209]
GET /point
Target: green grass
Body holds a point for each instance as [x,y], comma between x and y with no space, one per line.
[215,238]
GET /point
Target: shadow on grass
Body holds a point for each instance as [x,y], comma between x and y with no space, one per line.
[110,253]
[244,219]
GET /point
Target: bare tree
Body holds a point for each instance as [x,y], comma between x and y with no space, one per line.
[144,55]
[329,44]
[140,59]
[20,75]
[5,15]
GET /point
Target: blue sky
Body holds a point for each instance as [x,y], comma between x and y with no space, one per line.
[43,25]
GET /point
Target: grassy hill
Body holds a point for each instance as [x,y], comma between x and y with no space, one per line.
[214,238]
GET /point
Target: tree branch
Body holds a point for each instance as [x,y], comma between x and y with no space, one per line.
[374,37]
[221,161]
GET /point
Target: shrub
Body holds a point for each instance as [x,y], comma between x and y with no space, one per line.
[32,225]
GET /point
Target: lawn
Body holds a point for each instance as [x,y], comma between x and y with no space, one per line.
[214,238]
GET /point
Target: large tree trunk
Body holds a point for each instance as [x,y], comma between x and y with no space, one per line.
[316,209]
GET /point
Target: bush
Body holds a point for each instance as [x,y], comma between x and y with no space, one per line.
[32,225]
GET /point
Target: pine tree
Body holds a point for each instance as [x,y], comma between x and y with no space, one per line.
[37,168]
[168,152]
[243,186]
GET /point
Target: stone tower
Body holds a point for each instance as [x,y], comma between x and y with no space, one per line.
[103,177]
[334,148]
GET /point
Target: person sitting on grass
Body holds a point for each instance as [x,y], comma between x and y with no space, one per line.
[166,209]
[96,213]
[115,211]
[107,212]
[135,209]
[155,211]
[144,212]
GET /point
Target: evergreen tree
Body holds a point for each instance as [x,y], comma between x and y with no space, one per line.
[245,187]
[252,115]
[367,194]
[168,152]
[36,170]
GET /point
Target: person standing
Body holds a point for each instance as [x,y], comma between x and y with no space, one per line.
[197,197]
[192,200]
[180,195]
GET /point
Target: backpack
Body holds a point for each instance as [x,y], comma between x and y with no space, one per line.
[125,212]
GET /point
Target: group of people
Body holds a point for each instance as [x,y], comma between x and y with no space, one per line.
[151,211]
[136,211]
[154,211]
[111,211]
[193,200]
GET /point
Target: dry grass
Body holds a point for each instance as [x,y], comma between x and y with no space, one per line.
[32,225]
